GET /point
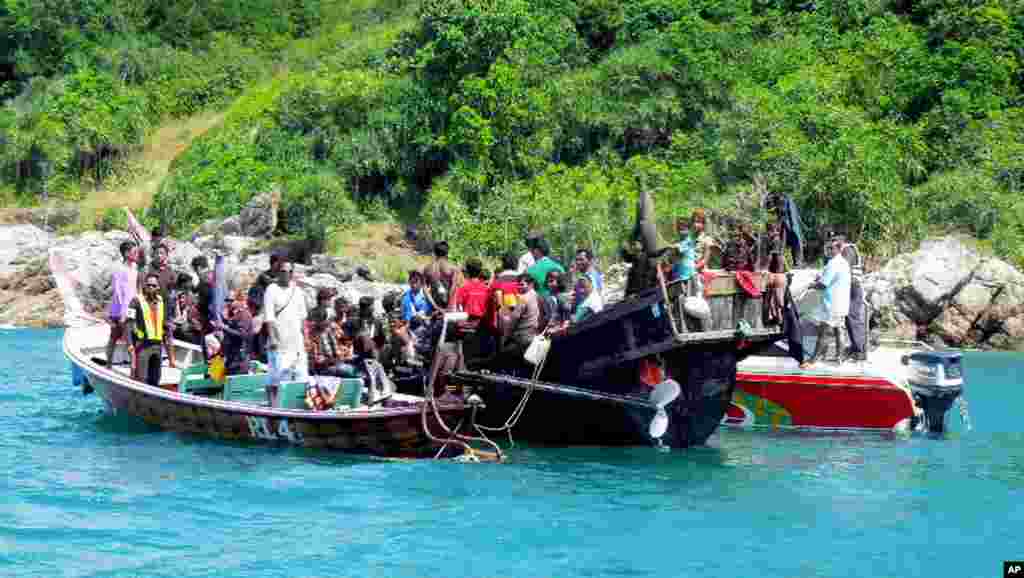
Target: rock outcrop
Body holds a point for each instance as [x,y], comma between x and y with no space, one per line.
[29,295]
[948,293]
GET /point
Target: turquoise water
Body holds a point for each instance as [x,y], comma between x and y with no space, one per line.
[90,495]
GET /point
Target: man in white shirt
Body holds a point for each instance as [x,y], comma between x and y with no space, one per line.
[835,305]
[284,313]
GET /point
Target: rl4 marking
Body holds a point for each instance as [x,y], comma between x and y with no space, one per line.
[264,429]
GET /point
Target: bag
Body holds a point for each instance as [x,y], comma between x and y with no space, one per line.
[697,307]
[537,350]
[217,370]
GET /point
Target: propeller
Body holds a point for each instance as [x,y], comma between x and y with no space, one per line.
[663,394]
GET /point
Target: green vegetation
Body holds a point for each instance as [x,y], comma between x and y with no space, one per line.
[884,118]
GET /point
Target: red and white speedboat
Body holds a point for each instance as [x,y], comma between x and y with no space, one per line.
[901,386]
[889,391]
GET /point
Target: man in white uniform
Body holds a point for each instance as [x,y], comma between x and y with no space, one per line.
[284,313]
[835,305]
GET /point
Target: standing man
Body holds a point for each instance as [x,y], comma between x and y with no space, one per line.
[123,281]
[203,295]
[161,266]
[544,264]
[148,327]
[284,314]
[835,305]
[442,277]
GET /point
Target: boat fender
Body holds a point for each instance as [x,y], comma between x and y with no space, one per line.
[697,307]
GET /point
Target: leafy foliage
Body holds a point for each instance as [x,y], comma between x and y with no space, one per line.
[887,120]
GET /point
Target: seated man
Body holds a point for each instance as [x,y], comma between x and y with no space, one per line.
[519,324]
[327,355]
[591,300]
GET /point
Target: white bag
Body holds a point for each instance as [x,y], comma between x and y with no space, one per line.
[537,350]
[697,307]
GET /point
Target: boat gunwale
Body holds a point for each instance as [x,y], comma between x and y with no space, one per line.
[76,356]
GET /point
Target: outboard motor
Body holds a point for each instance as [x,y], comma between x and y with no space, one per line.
[936,380]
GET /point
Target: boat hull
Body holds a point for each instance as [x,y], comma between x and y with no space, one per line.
[613,409]
[392,432]
[815,401]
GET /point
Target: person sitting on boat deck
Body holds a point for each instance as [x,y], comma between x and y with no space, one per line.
[442,277]
[584,267]
[503,291]
[835,303]
[123,282]
[284,311]
[416,309]
[539,271]
[591,302]
[326,354]
[367,323]
[343,325]
[527,259]
[400,350]
[324,296]
[555,310]
[237,330]
[519,324]
[148,326]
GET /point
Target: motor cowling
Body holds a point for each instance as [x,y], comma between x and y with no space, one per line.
[936,380]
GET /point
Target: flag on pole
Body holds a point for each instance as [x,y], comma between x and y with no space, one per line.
[139,233]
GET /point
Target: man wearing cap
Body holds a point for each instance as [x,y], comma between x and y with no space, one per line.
[544,265]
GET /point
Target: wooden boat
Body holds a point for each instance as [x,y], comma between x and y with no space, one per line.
[398,427]
[599,383]
[899,387]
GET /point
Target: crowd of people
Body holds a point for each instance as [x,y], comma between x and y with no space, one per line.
[268,323]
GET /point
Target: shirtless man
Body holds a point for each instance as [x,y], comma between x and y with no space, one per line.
[442,277]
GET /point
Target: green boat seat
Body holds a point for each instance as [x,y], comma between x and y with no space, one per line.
[350,393]
[246,387]
[292,395]
[195,382]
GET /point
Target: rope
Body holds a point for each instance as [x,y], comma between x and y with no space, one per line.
[520,408]
[453,435]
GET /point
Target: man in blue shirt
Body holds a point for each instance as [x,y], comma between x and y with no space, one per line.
[416,307]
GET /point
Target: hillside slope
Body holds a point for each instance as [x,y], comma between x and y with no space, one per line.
[884,119]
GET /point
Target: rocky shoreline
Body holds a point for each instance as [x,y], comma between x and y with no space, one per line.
[946,293]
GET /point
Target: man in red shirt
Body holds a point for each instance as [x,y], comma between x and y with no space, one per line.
[471,297]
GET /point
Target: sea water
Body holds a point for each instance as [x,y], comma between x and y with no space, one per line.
[86,494]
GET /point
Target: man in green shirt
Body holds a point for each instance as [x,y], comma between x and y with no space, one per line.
[544,265]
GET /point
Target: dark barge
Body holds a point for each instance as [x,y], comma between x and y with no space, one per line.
[599,382]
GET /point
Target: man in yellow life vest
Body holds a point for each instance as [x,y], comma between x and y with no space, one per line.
[150,332]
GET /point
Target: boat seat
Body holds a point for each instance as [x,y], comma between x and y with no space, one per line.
[292,395]
[194,381]
[350,393]
[246,387]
